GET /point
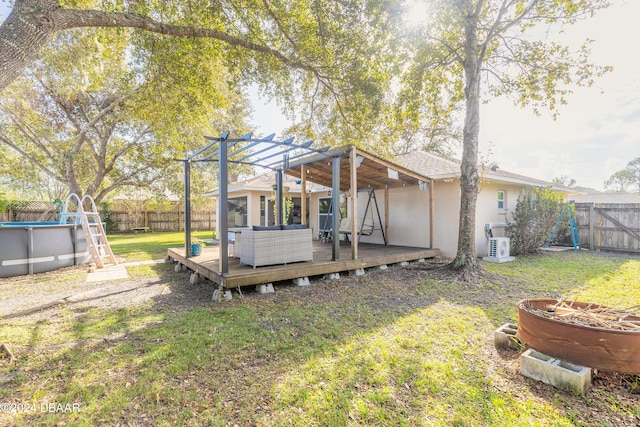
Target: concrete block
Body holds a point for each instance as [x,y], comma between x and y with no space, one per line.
[421,260]
[403,263]
[555,372]
[227,295]
[382,267]
[266,288]
[357,272]
[301,281]
[505,337]
[195,278]
[332,276]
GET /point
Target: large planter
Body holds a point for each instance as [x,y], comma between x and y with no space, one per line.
[595,347]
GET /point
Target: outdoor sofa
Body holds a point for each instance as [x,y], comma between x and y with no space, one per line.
[276,245]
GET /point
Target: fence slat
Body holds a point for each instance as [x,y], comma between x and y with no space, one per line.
[123,222]
[609,226]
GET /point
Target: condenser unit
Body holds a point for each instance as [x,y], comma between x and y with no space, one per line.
[498,250]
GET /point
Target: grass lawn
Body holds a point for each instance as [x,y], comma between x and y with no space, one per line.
[145,246]
[391,348]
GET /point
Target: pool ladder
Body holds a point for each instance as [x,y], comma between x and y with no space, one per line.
[91,223]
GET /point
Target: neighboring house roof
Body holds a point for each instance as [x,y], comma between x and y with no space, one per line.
[442,167]
[617,197]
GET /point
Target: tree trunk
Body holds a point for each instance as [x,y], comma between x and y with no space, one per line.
[27,28]
[466,257]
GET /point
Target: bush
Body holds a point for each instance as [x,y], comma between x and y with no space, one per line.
[534,219]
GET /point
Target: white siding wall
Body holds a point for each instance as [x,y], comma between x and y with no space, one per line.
[447,214]
[409,217]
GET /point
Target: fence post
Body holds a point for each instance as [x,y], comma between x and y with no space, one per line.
[592,221]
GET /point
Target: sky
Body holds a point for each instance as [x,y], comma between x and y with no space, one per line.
[594,136]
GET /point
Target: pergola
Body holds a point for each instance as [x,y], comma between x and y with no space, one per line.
[324,166]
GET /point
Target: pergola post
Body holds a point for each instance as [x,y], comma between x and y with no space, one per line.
[432,225]
[353,169]
[279,196]
[187,207]
[303,194]
[223,207]
[335,203]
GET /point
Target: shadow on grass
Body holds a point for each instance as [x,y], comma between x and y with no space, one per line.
[390,348]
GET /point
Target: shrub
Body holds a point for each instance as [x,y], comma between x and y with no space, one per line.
[534,219]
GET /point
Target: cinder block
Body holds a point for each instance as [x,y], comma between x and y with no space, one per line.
[357,272]
[505,337]
[403,264]
[382,267]
[555,372]
[301,281]
[332,276]
[195,278]
[266,288]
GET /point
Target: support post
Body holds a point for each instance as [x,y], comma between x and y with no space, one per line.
[279,197]
[592,227]
[386,211]
[223,206]
[353,169]
[187,207]
[335,203]
[303,194]
[432,225]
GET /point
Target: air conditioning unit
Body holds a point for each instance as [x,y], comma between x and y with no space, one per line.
[499,250]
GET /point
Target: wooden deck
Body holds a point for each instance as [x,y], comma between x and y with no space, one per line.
[207,263]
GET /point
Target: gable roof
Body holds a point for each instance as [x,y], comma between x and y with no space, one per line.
[442,167]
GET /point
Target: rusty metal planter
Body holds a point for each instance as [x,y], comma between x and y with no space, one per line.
[594,347]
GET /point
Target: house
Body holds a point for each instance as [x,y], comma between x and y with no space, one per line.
[412,200]
[497,197]
[590,195]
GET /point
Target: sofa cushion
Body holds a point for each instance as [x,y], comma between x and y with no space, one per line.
[266,228]
[295,226]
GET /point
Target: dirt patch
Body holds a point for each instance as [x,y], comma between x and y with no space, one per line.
[67,288]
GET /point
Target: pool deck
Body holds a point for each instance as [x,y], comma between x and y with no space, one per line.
[207,263]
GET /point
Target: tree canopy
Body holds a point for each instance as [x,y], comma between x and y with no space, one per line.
[84,115]
[626,178]
[328,62]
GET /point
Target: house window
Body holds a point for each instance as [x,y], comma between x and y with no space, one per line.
[237,212]
[502,200]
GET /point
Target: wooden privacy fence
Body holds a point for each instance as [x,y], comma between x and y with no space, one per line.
[120,221]
[161,220]
[609,226]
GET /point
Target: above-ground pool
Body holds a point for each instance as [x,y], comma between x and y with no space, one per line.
[36,247]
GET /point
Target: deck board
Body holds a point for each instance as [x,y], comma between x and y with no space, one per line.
[369,255]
